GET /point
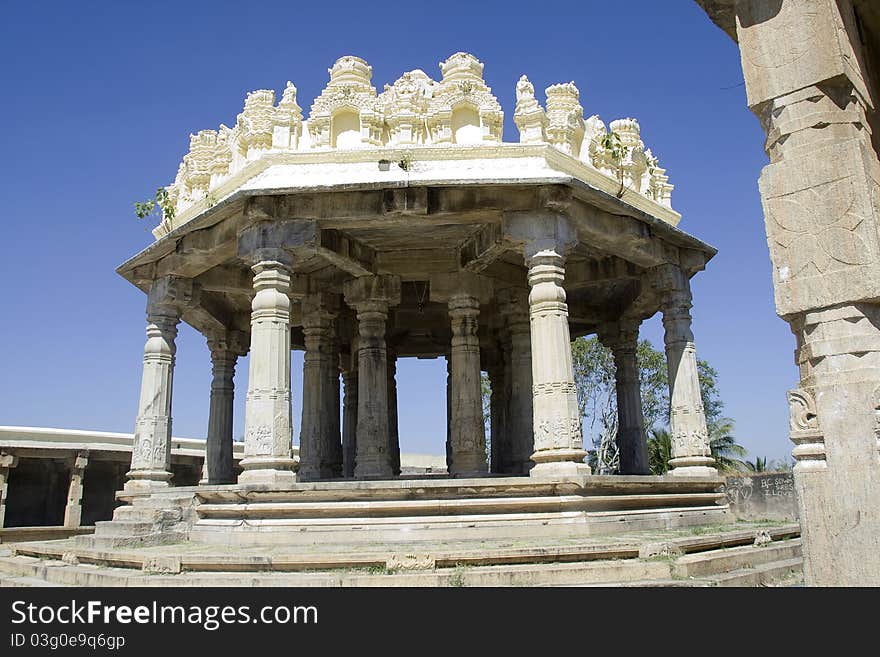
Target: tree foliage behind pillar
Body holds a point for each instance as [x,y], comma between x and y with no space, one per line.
[594,376]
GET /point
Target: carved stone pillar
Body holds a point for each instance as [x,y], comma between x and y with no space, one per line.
[557,424]
[225,349]
[73,509]
[319,433]
[807,72]
[7,462]
[691,456]
[371,296]
[151,448]
[514,306]
[268,439]
[835,426]
[632,444]
[349,410]
[463,293]
[393,428]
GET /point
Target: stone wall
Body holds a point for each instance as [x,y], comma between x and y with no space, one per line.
[767,495]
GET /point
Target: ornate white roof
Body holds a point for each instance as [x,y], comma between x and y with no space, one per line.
[455,124]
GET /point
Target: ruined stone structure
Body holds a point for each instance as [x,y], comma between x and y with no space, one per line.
[399,224]
[811,72]
[68,478]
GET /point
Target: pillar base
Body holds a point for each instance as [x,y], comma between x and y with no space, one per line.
[144,481]
[377,469]
[467,467]
[693,466]
[276,472]
[558,467]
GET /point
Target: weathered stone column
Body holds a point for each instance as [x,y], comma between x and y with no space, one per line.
[7,462]
[514,306]
[225,347]
[691,456]
[349,410]
[151,448]
[316,444]
[463,293]
[73,509]
[557,424]
[267,438]
[622,338]
[371,296]
[393,427]
[807,70]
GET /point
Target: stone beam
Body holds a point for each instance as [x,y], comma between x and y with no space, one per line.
[584,273]
[346,254]
[415,264]
[482,248]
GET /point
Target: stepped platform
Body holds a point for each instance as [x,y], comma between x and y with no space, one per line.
[407,509]
[737,554]
[421,531]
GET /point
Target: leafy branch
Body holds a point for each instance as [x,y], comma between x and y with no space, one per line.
[617,152]
[159,207]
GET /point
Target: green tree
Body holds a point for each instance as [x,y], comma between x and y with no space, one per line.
[728,454]
[758,465]
[486,390]
[659,451]
[594,378]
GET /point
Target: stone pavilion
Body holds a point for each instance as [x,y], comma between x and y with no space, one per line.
[399,224]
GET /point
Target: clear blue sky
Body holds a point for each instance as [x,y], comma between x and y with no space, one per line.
[99,99]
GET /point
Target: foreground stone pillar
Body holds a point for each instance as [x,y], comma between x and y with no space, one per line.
[267,436]
[349,410]
[7,462]
[622,338]
[835,426]
[557,424]
[806,70]
[371,296]
[317,453]
[393,427]
[691,456]
[514,306]
[73,508]
[151,447]
[225,349]
[463,293]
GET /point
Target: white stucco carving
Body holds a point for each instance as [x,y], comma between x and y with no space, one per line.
[416,111]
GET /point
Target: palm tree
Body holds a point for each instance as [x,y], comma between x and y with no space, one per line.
[728,453]
[758,465]
[659,451]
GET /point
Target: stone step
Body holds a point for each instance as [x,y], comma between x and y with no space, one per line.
[343,556]
[114,528]
[269,509]
[25,582]
[735,558]
[613,572]
[147,514]
[762,574]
